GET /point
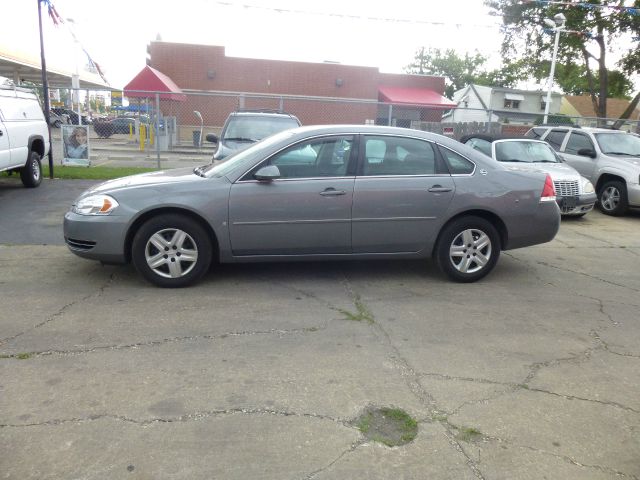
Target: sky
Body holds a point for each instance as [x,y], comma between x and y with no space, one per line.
[386,35]
[379,34]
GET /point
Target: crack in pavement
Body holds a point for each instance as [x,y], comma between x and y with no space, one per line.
[593,277]
[62,310]
[566,458]
[155,343]
[197,416]
[354,446]
[412,379]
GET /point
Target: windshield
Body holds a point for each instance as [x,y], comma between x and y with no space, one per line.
[245,158]
[254,128]
[525,152]
[619,144]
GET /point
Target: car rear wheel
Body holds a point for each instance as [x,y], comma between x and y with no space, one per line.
[467,249]
[171,251]
[31,173]
[613,198]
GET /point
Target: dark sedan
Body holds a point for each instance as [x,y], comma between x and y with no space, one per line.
[319,193]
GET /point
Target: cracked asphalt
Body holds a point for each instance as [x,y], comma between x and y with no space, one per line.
[259,370]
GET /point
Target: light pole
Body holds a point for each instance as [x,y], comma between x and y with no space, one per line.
[558,25]
[75,78]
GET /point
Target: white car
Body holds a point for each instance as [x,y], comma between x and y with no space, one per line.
[574,193]
[24,134]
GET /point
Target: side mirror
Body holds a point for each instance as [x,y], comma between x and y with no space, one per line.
[587,152]
[210,137]
[268,173]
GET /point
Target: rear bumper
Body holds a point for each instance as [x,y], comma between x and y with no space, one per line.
[541,227]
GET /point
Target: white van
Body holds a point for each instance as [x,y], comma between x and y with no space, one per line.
[24,134]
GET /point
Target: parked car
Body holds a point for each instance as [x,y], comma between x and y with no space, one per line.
[574,193]
[123,124]
[610,159]
[73,116]
[370,193]
[56,120]
[243,128]
[24,134]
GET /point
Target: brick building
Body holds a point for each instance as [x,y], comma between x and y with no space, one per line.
[315,92]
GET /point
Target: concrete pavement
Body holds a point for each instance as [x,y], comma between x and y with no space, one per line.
[260,370]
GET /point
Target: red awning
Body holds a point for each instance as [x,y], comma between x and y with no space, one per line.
[150,81]
[414,96]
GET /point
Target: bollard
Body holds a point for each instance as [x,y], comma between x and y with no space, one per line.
[130,131]
[143,137]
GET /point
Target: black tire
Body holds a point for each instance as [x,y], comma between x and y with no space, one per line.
[31,173]
[481,252]
[181,237]
[612,198]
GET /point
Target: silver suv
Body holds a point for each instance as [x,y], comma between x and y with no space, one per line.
[244,128]
[609,158]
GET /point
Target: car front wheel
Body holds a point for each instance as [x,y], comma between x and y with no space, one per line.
[31,173]
[613,198]
[467,249]
[171,251]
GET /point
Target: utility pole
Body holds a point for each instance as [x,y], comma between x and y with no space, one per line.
[557,23]
[45,88]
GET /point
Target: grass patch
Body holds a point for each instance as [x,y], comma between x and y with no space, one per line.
[24,356]
[362,312]
[389,426]
[92,173]
[468,434]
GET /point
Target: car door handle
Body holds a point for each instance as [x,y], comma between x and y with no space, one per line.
[332,192]
[440,189]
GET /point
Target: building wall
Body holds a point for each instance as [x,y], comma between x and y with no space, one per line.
[207,68]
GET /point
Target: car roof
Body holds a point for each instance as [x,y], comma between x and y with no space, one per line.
[491,137]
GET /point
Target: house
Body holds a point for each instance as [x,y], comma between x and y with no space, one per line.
[478,103]
[582,106]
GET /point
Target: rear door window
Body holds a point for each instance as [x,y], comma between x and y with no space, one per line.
[555,138]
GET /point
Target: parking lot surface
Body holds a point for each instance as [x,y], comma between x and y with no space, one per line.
[260,371]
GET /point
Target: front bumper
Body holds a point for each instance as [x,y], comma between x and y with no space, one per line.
[577,205]
[96,237]
[633,194]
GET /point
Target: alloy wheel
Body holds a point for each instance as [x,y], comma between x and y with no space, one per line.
[610,198]
[470,251]
[171,253]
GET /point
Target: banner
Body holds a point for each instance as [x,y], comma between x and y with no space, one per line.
[75,145]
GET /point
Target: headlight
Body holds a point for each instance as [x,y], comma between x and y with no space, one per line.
[95,205]
[587,186]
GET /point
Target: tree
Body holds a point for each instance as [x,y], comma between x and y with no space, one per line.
[458,71]
[591,32]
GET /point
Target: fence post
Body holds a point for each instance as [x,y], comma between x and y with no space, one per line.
[390,114]
[157,127]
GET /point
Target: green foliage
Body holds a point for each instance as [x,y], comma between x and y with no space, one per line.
[558,119]
[460,71]
[599,29]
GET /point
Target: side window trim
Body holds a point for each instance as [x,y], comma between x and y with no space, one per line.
[439,168]
[446,164]
[247,176]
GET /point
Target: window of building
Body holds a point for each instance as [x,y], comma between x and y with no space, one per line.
[513,104]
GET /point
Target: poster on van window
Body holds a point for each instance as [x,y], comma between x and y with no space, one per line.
[75,145]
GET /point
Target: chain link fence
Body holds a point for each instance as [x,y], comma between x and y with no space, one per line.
[152,122]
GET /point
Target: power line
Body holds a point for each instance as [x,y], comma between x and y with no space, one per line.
[354,17]
[585,6]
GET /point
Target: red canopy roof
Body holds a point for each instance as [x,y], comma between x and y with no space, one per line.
[414,96]
[149,81]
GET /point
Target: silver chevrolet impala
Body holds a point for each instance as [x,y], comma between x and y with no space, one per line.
[318,193]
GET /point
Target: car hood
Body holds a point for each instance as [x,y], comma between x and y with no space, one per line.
[558,171]
[635,161]
[144,179]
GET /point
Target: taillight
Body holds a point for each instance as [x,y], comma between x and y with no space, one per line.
[549,191]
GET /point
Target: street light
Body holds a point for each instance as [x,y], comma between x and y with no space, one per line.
[557,24]
[75,78]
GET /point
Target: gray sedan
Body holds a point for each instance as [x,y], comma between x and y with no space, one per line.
[319,193]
